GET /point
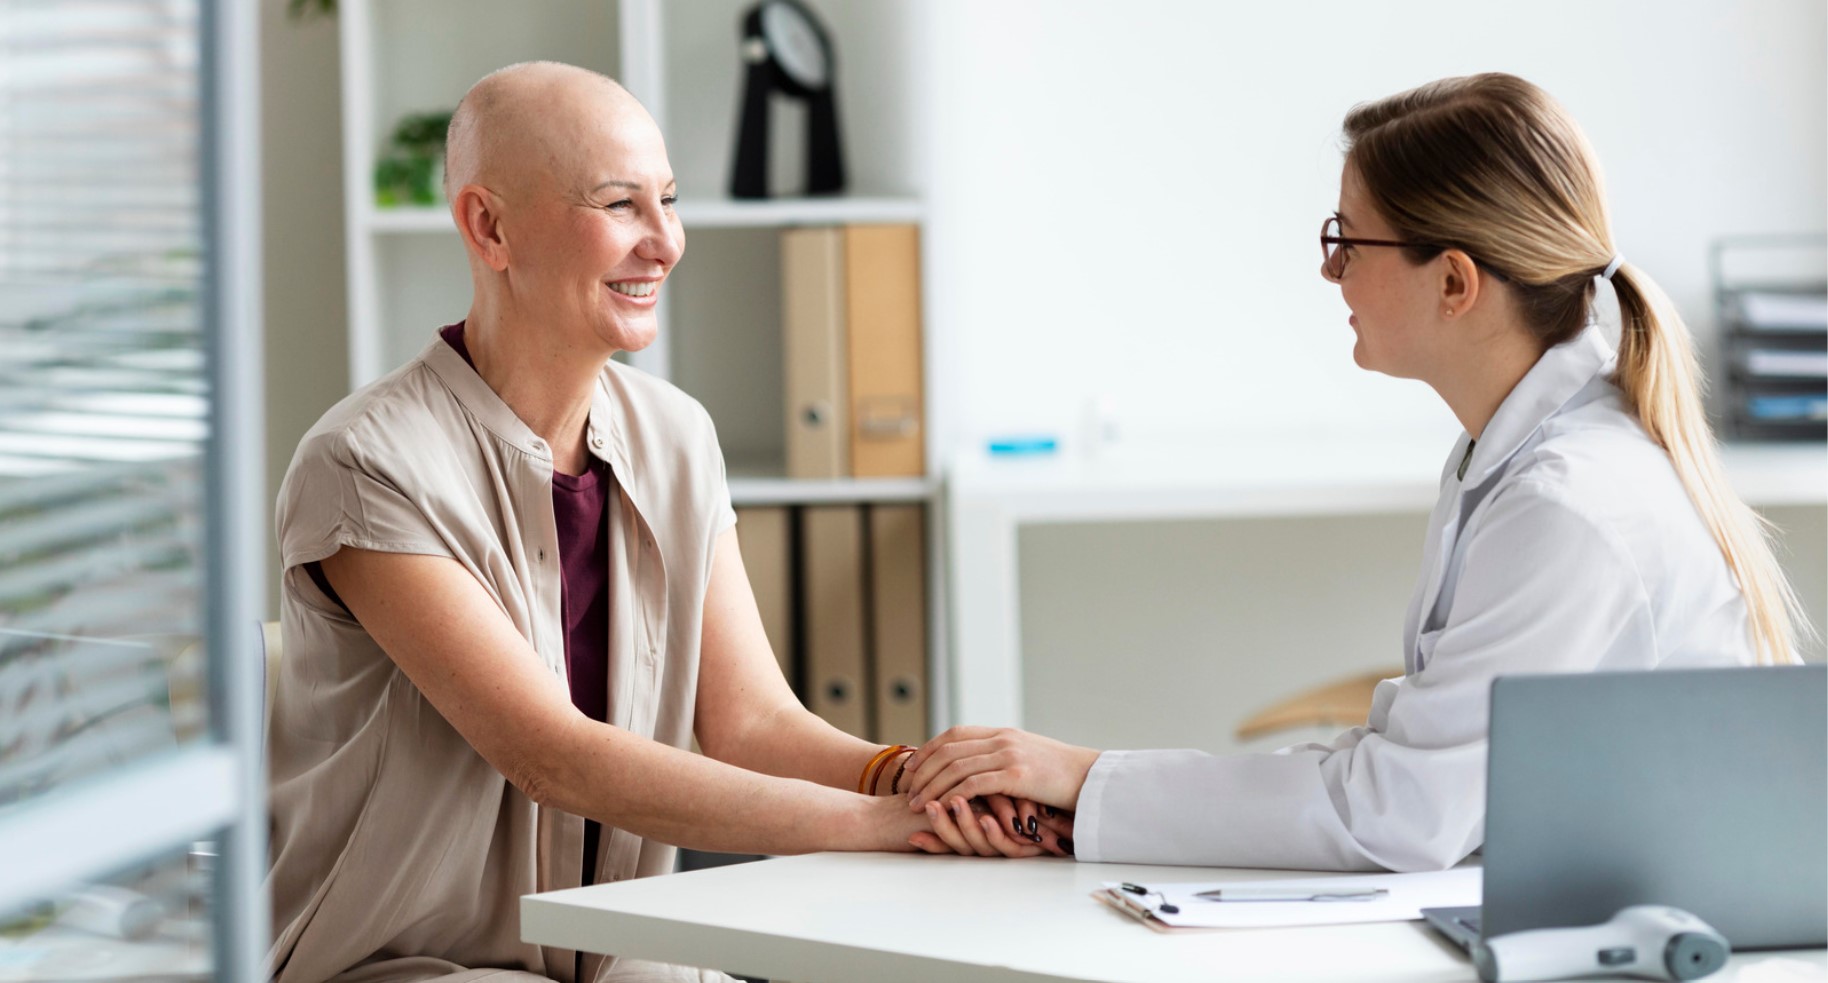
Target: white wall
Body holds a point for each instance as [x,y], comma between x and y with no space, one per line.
[1125,197]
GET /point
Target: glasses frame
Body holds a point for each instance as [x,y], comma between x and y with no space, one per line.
[1334,270]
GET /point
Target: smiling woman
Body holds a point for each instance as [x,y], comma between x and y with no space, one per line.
[593,231]
[513,594]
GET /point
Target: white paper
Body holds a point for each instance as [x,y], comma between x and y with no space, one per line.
[1761,361]
[1777,312]
[1409,894]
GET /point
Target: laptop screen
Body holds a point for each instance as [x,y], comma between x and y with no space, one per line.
[1704,789]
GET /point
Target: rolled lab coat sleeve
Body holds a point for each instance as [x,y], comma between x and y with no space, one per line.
[1542,588]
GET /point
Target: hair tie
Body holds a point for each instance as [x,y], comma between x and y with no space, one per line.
[1613,267]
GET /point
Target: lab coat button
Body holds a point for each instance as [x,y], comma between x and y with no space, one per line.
[596,442]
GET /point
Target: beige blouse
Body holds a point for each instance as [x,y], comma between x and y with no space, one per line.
[398,852]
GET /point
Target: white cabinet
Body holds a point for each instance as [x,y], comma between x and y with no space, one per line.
[990,501]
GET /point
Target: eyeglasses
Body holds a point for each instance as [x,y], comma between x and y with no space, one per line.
[1333,263]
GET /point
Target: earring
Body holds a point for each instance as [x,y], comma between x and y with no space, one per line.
[1449,312]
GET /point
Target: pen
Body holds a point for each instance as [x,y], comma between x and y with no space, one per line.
[1292,894]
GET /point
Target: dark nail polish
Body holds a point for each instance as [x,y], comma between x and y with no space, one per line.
[1067,845]
[1016,822]
[1035,837]
[1047,811]
[1034,826]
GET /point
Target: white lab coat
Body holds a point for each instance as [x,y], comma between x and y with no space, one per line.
[1569,545]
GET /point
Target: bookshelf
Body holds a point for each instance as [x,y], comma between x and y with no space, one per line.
[1772,302]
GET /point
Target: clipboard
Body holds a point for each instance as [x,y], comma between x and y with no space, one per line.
[1123,903]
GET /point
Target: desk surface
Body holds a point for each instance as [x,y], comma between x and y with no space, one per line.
[836,918]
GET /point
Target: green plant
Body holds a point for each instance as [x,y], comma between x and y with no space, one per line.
[408,172]
[305,9]
[422,131]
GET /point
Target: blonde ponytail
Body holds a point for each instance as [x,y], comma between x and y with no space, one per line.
[1493,165]
[1661,379]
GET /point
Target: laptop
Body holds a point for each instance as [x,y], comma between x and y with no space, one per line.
[1703,789]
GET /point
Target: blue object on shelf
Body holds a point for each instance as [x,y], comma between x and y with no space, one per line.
[1022,445]
[1801,407]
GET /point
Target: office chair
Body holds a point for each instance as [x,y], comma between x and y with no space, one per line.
[1341,703]
[270,649]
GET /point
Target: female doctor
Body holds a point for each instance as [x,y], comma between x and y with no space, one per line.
[1584,522]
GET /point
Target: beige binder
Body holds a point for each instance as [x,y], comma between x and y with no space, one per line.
[812,332]
[898,629]
[831,595]
[763,533]
[882,321]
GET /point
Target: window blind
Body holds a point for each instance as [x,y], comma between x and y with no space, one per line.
[103,392]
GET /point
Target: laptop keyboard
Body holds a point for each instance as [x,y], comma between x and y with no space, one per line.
[1469,922]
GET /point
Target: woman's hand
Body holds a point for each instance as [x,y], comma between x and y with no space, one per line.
[1031,822]
[969,762]
[883,823]
[986,828]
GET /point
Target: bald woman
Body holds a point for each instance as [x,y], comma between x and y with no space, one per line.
[513,595]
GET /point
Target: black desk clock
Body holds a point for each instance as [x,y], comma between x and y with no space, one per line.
[788,52]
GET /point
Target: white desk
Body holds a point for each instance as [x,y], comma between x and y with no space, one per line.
[988,500]
[841,918]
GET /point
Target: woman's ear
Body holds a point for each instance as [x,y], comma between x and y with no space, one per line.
[1459,283]
[478,214]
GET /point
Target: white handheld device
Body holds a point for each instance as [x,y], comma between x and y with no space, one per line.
[1650,941]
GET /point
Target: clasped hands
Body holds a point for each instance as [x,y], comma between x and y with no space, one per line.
[992,792]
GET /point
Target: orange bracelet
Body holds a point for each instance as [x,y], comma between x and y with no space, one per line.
[899,750]
[863,777]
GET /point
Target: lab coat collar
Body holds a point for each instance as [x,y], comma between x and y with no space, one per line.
[1560,374]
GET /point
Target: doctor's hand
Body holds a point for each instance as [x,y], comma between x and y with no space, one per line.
[995,826]
[968,762]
